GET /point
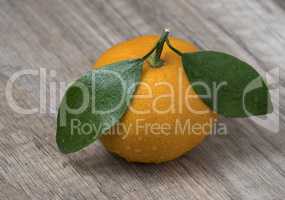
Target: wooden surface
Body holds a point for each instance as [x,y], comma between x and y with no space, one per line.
[67,36]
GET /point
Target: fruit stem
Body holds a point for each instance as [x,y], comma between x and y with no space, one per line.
[153,57]
[173,48]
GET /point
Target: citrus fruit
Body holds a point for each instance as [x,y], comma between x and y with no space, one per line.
[166,118]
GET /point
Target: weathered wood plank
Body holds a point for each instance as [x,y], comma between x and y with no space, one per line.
[67,36]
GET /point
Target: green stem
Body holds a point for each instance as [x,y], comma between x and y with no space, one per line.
[173,48]
[149,53]
[153,57]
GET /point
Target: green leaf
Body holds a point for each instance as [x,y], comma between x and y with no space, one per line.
[235,89]
[94,103]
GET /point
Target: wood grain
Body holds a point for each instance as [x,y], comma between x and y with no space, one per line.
[66,36]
